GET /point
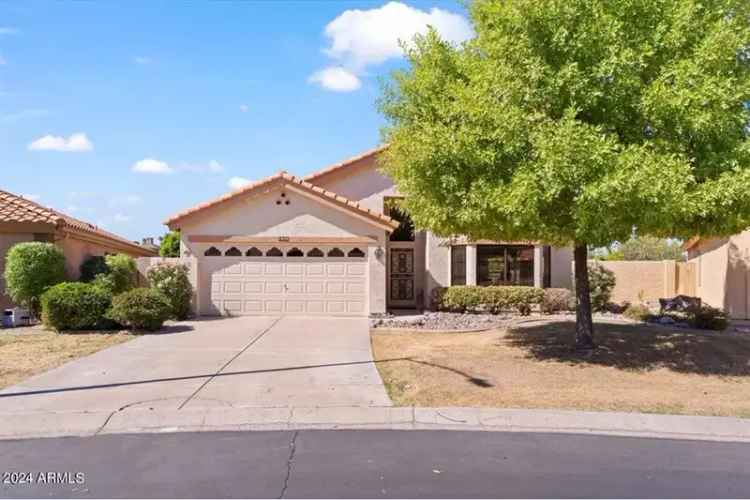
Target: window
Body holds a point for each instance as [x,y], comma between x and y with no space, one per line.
[274,252]
[356,252]
[233,252]
[315,252]
[505,265]
[254,252]
[335,252]
[458,265]
[295,252]
[212,252]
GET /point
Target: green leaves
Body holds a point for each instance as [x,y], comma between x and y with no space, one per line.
[573,120]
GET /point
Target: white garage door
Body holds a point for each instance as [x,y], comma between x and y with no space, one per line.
[289,284]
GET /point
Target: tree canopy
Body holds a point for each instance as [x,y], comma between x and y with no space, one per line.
[574,120]
[571,121]
[647,248]
[170,244]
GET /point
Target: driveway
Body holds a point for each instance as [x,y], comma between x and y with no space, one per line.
[243,361]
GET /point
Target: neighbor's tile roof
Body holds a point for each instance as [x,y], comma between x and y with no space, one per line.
[284,177]
[346,163]
[17,209]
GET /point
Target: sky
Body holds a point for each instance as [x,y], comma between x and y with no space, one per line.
[122,114]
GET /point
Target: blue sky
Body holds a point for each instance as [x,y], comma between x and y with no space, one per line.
[122,114]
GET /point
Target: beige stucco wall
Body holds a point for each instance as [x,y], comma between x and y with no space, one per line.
[364,184]
[641,279]
[723,273]
[561,275]
[261,216]
[7,240]
[77,251]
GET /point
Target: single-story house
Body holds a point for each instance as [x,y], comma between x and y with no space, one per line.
[334,243]
[24,220]
[722,267]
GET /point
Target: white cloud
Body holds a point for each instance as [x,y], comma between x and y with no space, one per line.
[362,37]
[121,218]
[142,60]
[244,108]
[336,79]
[9,30]
[31,196]
[151,166]
[76,143]
[238,182]
[212,166]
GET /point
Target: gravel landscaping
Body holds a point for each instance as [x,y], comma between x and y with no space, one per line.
[442,321]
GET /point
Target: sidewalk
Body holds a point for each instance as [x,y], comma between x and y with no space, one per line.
[158,420]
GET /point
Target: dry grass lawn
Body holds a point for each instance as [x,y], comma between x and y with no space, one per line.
[635,368]
[35,351]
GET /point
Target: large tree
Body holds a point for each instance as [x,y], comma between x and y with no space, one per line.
[571,121]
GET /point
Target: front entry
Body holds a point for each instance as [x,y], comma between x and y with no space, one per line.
[401,277]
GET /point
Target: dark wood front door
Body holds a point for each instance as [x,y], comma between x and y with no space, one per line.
[401,269]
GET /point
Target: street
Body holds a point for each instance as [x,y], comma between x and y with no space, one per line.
[372,463]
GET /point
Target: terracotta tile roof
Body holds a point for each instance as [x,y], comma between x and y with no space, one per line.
[346,163]
[284,177]
[691,242]
[17,209]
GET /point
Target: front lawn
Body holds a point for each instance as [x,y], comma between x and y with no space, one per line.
[31,350]
[637,367]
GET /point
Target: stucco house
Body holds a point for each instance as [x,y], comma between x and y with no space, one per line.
[24,220]
[722,267]
[334,243]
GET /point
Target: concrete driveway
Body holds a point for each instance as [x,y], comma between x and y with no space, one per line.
[243,361]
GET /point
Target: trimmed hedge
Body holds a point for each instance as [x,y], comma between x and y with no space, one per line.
[141,309]
[76,306]
[492,299]
[558,299]
[30,270]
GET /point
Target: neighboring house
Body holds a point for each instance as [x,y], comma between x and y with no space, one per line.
[721,268]
[334,243]
[23,220]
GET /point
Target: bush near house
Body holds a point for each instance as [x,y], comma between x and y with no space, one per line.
[708,318]
[91,267]
[76,306]
[493,299]
[30,270]
[174,283]
[141,309]
[558,299]
[120,276]
[637,312]
[601,283]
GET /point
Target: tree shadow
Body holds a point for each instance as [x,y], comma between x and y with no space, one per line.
[638,347]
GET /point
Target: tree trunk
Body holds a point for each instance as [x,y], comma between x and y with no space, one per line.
[584,324]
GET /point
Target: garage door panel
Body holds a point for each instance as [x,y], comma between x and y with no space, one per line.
[279,285]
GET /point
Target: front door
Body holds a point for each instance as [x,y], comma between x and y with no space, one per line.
[401,270]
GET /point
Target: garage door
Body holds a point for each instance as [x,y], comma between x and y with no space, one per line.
[327,281]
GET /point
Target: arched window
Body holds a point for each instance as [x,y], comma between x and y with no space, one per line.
[254,252]
[315,252]
[356,252]
[295,252]
[335,252]
[274,252]
[233,252]
[212,252]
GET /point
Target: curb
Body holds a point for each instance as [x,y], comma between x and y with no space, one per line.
[129,421]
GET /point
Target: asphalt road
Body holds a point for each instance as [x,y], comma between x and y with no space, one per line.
[372,464]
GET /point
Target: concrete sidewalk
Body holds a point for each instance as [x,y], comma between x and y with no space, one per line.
[165,420]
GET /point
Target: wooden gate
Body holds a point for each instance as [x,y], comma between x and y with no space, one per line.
[685,276]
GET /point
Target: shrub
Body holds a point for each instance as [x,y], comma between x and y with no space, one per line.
[601,283]
[558,299]
[637,312]
[708,318]
[120,276]
[170,244]
[76,306]
[491,299]
[141,309]
[92,267]
[30,270]
[174,283]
